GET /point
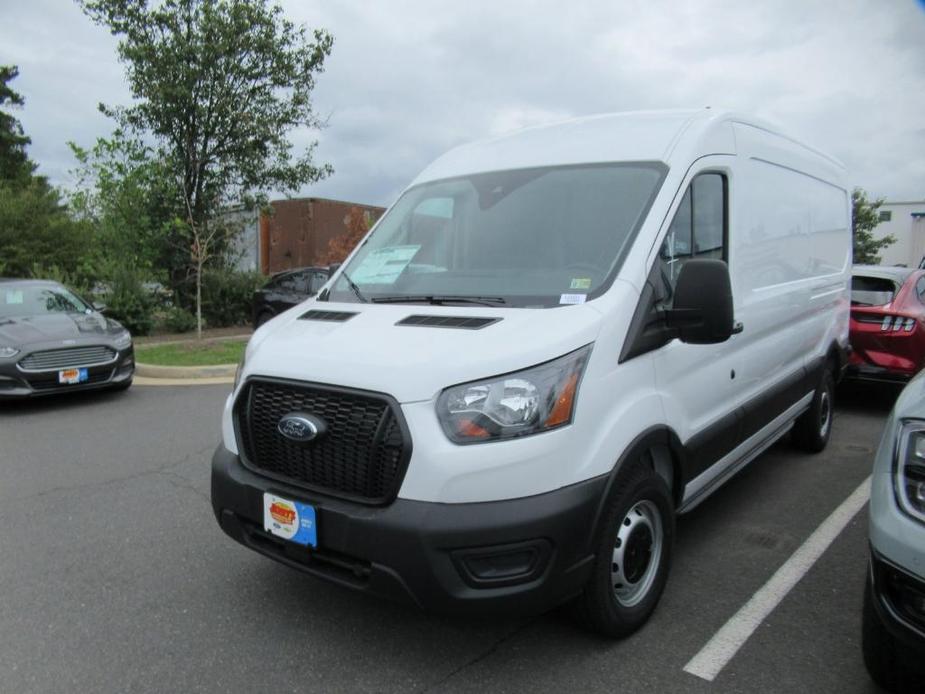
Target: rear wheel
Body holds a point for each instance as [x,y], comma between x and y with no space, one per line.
[812,429]
[633,553]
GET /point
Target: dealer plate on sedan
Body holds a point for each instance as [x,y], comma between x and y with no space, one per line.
[291,520]
[72,376]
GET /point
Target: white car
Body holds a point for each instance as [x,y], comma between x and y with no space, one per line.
[550,345]
[894,600]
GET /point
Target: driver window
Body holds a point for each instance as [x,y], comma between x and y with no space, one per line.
[698,228]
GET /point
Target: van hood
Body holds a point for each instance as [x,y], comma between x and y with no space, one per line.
[370,351]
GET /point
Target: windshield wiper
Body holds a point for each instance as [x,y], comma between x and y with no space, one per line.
[354,288]
[440,300]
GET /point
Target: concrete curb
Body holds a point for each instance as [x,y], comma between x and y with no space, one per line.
[182,382]
[185,372]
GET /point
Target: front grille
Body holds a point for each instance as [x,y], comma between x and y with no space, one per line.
[362,456]
[67,358]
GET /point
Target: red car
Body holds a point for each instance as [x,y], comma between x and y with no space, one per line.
[887,323]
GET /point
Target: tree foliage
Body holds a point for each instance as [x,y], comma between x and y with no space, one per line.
[14,163]
[218,85]
[37,235]
[865,217]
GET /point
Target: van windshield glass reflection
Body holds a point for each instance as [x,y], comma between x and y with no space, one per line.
[529,237]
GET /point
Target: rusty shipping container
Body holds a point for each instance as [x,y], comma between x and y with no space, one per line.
[298,232]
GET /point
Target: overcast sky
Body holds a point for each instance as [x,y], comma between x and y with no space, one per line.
[408,79]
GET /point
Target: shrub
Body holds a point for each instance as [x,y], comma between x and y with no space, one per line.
[130,303]
[227,296]
[178,320]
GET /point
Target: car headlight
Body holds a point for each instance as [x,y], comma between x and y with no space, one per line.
[123,340]
[909,473]
[518,404]
[7,352]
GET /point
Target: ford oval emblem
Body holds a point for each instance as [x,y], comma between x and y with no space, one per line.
[301,428]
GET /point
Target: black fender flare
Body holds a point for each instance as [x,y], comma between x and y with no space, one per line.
[659,435]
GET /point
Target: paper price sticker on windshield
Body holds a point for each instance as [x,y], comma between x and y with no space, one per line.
[572,298]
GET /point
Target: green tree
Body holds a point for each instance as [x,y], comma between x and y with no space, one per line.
[14,163]
[864,218]
[37,235]
[218,87]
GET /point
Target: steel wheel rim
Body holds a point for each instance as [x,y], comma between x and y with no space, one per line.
[825,413]
[637,553]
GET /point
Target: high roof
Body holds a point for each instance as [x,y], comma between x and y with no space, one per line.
[611,137]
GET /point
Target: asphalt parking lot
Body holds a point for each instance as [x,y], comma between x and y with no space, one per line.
[115,577]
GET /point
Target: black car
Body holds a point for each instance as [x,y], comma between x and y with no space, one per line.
[52,341]
[286,289]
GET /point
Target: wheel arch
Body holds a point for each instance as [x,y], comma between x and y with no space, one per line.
[657,437]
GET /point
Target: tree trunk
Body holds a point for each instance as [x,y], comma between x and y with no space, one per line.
[199,300]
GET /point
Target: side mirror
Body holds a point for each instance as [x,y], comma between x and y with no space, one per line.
[100,307]
[701,313]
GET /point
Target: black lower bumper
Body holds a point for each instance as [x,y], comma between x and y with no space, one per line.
[867,372]
[519,556]
[899,599]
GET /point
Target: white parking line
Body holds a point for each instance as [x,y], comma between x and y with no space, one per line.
[713,657]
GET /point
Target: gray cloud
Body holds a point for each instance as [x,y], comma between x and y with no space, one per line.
[409,79]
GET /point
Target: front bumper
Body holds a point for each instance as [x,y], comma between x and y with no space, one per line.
[899,599]
[16,384]
[520,556]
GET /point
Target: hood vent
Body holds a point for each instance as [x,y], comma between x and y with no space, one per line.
[461,322]
[328,316]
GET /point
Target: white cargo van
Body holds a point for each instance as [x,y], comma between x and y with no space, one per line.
[550,345]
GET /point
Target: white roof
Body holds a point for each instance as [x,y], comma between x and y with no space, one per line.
[611,137]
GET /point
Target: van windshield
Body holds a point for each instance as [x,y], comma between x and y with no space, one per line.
[525,238]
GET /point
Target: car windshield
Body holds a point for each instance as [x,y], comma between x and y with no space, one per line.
[530,237]
[19,300]
[872,291]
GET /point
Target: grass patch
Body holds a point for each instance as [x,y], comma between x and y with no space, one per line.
[204,353]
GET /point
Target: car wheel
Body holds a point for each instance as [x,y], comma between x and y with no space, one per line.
[262,318]
[812,429]
[888,663]
[633,553]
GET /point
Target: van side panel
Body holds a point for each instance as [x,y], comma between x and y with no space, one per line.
[789,259]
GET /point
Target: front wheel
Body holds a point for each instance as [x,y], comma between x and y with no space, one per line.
[812,429]
[633,553]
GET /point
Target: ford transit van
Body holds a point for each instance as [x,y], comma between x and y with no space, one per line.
[552,344]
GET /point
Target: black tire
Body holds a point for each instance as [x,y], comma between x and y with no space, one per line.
[618,609]
[813,428]
[889,664]
[262,318]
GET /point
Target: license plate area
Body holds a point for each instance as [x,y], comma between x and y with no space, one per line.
[290,520]
[71,376]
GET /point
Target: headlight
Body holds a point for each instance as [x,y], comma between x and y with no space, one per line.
[123,340]
[909,473]
[7,352]
[519,404]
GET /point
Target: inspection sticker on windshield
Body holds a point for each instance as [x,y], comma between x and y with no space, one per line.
[14,296]
[581,283]
[291,520]
[383,266]
[572,298]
